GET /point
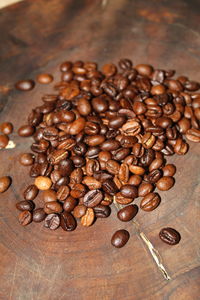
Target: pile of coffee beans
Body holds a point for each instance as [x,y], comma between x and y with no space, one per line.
[105,135]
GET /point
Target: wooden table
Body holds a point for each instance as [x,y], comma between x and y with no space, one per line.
[35,36]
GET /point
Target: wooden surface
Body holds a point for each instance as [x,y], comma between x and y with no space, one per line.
[42,265]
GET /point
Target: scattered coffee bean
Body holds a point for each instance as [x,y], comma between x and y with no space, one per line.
[120,238]
[67,221]
[127,213]
[39,215]
[25,85]
[165,183]
[6,128]
[27,159]
[150,202]
[25,218]
[25,205]
[170,236]
[5,182]
[44,78]
[3,141]
[31,192]
[52,221]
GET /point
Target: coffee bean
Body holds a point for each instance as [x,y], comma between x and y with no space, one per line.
[52,207]
[3,141]
[88,218]
[49,195]
[156,164]
[150,202]
[123,173]
[144,70]
[52,221]
[127,213]
[120,238]
[62,192]
[110,145]
[112,167]
[43,183]
[170,236]
[135,180]
[31,192]
[169,170]
[93,198]
[44,78]
[193,135]
[92,183]
[119,198]
[5,182]
[27,159]
[25,85]
[129,191]
[131,128]
[26,130]
[165,183]
[109,187]
[78,190]
[25,218]
[69,204]
[38,215]
[102,211]
[136,170]
[6,128]
[79,211]
[67,221]
[144,189]
[25,205]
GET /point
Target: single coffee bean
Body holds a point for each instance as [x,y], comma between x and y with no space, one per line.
[127,213]
[92,198]
[5,182]
[129,191]
[43,183]
[156,164]
[165,183]
[52,207]
[102,211]
[92,183]
[144,189]
[27,159]
[88,218]
[25,205]
[25,218]
[150,202]
[170,236]
[52,221]
[38,215]
[49,195]
[109,187]
[169,170]
[63,192]
[6,128]
[119,198]
[26,130]
[31,192]
[123,173]
[44,78]
[69,204]
[120,238]
[79,211]
[112,167]
[144,70]
[137,170]
[3,141]
[193,135]
[78,190]
[67,221]
[25,85]
[135,180]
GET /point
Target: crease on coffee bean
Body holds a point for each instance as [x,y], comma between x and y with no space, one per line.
[153,251]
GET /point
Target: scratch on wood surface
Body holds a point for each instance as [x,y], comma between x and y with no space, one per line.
[13,279]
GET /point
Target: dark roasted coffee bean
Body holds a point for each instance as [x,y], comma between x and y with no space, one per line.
[150,202]
[76,176]
[52,207]
[93,198]
[26,159]
[102,211]
[38,215]
[80,148]
[193,135]
[78,190]
[135,180]
[112,167]
[127,213]
[119,198]
[120,238]
[67,221]
[66,166]
[31,192]
[91,183]
[25,218]
[109,187]
[26,130]
[49,195]
[52,221]
[129,191]
[92,152]
[79,211]
[102,176]
[62,192]
[154,176]
[110,145]
[25,85]
[3,141]
[169,170]
[144,189]
[5,182]
[69,204]
[25,205]
[170,236]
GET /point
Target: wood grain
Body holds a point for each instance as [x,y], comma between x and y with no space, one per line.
[81,265]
